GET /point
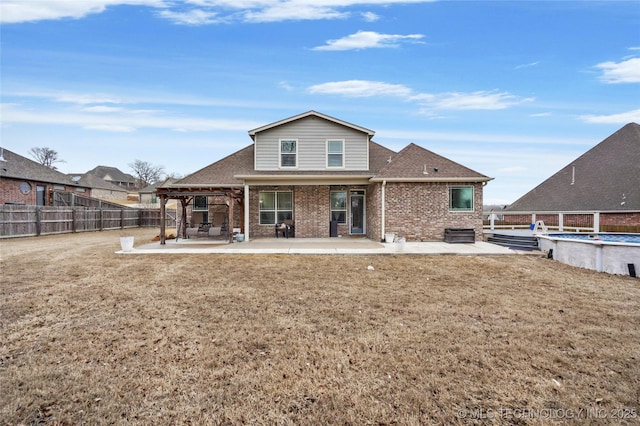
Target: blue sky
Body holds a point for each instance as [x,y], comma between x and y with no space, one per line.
[512,89]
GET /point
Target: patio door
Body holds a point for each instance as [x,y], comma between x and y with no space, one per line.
[358,211]
[41,195]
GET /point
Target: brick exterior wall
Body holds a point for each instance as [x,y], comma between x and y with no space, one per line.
[416,211]
[10,191]
[374,205]
[620,222]
[632,219]
[311,211]
[420,211]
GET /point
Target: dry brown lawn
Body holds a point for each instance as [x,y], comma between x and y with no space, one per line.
[88,336]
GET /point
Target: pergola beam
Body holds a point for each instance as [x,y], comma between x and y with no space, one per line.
[186,194]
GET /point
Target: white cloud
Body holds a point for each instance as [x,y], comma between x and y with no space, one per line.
[293,11]
[191,17]
[195,12]
[479,138]
[102,109]
[360,89]
[480,100]
[368,39]
[122,120]
[529,65]
[110,128]
[621,118]
[370,16]
[620,72]
[15,11]
[286,86]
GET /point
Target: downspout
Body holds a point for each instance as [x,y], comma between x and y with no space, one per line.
[246,212]
[383,206]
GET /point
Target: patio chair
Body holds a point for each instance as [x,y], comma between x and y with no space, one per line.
[287,228]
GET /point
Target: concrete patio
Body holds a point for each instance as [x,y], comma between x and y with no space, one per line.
[317,246]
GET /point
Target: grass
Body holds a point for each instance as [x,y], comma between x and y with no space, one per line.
[91,337]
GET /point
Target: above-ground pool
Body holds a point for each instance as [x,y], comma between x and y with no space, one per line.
[603,252]
[608,238]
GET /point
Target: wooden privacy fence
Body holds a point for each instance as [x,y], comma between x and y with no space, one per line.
[27,220]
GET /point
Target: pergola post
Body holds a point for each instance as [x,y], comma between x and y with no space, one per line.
[183,217]
[163,203]
[245,211]
[230,220]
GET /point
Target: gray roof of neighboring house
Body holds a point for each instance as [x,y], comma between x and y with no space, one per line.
[151,189]
[92,181]
[607,177]
[115,174]
[19,167]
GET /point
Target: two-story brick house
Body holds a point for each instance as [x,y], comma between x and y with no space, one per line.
[331,179]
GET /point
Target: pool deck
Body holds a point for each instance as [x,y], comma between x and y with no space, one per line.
[318,246]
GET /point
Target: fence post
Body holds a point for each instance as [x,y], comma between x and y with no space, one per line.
[101,217]
[121,218]
[38,221]
[560,221]
[596,221]
[73,220]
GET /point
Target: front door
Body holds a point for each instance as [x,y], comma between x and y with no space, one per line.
[357,212]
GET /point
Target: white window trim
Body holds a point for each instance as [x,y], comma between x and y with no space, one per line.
[473,199]
[275,209]
[326,148]
[280,153]
[346,206]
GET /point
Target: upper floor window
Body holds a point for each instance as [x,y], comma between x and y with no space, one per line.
[288,153]
[200,203]
[335,153]
[461,198]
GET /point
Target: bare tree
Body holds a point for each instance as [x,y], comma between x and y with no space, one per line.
[146,173]
[46,156]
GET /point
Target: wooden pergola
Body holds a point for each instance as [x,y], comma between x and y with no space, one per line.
[186,194]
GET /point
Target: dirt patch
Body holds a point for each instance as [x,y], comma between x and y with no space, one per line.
[88,336]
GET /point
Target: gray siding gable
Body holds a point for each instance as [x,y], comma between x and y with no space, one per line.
[312,133]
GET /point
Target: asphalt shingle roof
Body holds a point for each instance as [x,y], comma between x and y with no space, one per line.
[607,177]
[93,181]
[414,163]
[19,167]
[116,174]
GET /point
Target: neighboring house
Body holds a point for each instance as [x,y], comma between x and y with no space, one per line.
[114,176]
[330,178]
[24,181]
[100,188]
[148,196]
[606,178]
